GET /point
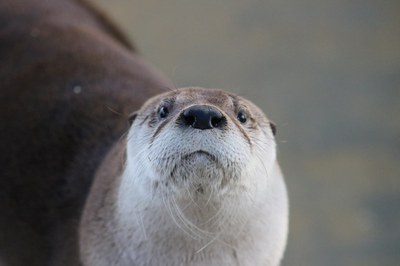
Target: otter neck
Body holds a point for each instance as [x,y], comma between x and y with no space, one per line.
[193,214]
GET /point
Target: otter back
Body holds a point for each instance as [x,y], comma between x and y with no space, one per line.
[68,80]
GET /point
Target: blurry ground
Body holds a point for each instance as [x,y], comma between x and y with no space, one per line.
[328,72]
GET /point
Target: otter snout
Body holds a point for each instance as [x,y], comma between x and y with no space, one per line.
[202,117]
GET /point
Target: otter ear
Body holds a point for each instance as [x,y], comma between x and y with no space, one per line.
[273,127]
[132,118]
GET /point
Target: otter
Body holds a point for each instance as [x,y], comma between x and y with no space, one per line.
[70,81]
[194,182]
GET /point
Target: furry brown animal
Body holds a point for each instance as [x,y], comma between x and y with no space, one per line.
[68,80]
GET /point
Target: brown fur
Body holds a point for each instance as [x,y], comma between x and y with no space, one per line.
[68,80]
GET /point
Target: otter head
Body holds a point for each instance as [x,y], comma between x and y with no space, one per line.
[200,141]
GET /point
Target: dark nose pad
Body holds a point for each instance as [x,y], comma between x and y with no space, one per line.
[203,117]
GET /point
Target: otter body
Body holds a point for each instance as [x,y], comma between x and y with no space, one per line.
[68,80]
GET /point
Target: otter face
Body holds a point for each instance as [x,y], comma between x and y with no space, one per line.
[201,141]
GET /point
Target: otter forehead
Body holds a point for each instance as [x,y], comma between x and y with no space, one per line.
[197,95]
[206,96]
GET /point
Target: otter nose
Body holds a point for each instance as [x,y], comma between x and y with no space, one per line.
[203,117]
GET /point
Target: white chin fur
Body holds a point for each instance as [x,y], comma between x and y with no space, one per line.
[185,158]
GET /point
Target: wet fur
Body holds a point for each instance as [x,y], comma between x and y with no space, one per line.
[68,81]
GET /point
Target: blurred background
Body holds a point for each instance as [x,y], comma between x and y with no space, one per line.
[328,73]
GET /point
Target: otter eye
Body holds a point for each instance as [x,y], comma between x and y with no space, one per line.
[241,116]
[163,112]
